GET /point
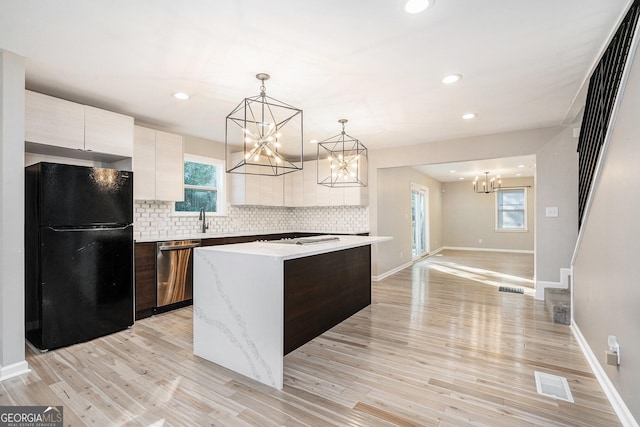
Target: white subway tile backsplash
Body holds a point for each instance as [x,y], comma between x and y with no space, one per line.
[155,218]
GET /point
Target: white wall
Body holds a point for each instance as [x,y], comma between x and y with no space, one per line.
[556,186]
[470,218]
[482,147]
[606,271]
[394,213]
[12,360]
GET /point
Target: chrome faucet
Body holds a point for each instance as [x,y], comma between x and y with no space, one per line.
[203,219]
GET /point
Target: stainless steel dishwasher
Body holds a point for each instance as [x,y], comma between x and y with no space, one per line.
[174,274]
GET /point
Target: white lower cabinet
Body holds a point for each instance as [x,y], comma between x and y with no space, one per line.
[158,165]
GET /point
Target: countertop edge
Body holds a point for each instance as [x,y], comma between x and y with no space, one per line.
[287,252]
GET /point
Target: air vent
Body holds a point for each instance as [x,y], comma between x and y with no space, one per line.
[512,290]
[553,386]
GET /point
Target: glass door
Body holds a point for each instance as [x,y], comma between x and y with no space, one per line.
[419,220]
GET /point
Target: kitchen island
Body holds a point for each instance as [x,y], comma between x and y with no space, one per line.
[255,302]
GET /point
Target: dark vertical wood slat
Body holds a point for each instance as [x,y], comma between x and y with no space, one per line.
[145,279]
[601,97]
[321,291]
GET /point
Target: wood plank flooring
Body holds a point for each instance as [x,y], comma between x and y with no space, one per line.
[437,347]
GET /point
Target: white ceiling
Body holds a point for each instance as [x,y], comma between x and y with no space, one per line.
[506,167]
[524,62]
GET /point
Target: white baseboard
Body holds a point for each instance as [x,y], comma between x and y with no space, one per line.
[620,408]
[390,272]
[14,370]
[463,248]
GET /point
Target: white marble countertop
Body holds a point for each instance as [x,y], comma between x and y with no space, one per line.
[291,251]
[167,237]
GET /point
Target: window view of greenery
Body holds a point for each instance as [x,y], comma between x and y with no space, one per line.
[511,209]
[200,188]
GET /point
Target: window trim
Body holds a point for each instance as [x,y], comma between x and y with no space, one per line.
[220,188]
[525,227]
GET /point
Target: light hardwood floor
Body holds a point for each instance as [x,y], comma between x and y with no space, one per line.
[435,348]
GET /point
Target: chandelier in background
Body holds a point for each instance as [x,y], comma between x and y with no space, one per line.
[342,161]
[488,185]
[491,185]
[263,136]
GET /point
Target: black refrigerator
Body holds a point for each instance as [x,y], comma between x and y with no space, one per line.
[78,253]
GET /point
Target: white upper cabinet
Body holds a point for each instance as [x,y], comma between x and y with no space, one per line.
[158,165]
[108,132]
[53,121]
[58,123]
[260,190]
[169,167]
[302,189]
[144,164]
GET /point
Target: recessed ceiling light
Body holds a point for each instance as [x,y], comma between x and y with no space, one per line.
[417,6]
[182,96]
[451,78]
[520,166]
[518,174]
[469,116]
[461,178]
[452,171]
[313,141]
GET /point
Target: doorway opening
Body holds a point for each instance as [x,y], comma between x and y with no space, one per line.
[419,221]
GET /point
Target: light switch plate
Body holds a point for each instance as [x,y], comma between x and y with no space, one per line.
[552,212]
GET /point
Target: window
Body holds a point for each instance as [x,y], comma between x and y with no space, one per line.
[511,209]
[203,185]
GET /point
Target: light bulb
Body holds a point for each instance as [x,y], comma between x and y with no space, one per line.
[278,160]
[278,135]
[277,145]
[257,157]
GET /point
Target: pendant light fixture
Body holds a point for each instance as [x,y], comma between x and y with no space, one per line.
[263,136]
[491,185]
[342,161]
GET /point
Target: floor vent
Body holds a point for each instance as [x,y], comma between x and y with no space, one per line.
[553,386]
[512,290]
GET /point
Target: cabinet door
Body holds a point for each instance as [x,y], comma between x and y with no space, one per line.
[293,189]
[271,190]
[53,121]
[310,184]
[144,164]
[145,276]
[356,196]
[108,132]
[169,167]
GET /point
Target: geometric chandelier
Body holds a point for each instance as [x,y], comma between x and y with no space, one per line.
[263,136]
[342,161]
